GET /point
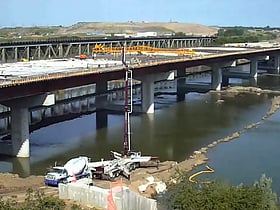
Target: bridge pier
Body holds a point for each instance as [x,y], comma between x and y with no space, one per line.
[277,63]
[181,83]
[100,88]
[3,53]
[216,77]
[148,89]
[254,67]
[147,96]
[20,131]
[100,101]
[19,145]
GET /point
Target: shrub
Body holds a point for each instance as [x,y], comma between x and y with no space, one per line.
[219,195]
[34,200]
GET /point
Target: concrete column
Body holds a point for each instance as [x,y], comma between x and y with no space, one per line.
[19,146]
[253,82]
[254,67]
[148,95]
[101,119]
[21,166]
[100,88]
[277,63]
[225,81]
[20,131]
[181,83]
[3,55]
[100,102]
[148,88]
[16,54]
[28,53]
[216,77]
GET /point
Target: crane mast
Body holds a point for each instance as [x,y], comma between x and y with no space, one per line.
[127,106]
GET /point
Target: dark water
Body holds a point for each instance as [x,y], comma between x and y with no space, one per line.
[255,153]
[174,131]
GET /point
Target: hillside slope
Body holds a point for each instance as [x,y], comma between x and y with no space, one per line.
[133,27]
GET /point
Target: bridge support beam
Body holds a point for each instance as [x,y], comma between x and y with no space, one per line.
[100,88]
[20,131]
[100,101]
[277,63]
[101,119]
[19,145]
[216,77]
[3,53]
[148,89]
[181,83]
[254,67]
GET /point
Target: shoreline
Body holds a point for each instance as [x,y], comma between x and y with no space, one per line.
[200,155]
[168,172]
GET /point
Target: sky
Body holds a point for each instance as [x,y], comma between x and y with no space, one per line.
[206,12]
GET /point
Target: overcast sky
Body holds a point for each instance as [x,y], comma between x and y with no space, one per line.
[206,12]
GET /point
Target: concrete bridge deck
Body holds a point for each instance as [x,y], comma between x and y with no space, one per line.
[22,79]
[26,85]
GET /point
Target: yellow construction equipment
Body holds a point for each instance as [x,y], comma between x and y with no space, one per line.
[24,60]
[142,49]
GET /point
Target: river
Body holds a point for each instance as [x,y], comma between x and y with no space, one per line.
[174,131]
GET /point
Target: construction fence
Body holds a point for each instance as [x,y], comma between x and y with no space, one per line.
[115,198]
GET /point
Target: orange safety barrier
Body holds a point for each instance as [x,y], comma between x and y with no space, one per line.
[115,187]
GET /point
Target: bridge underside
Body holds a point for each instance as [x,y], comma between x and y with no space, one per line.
[221,71]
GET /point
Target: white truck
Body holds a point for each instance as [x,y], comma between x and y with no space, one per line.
[74,169]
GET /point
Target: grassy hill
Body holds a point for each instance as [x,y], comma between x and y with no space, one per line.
[111,28]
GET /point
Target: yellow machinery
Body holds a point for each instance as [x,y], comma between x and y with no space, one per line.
[141,49]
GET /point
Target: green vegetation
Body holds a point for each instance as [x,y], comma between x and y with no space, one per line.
[35,200]
[242,35]
[219,195]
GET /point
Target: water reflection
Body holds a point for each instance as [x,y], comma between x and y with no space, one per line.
[174,131]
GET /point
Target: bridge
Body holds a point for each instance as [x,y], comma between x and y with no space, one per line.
[21,93]
[64,48]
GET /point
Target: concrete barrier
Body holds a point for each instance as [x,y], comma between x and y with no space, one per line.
[99,197]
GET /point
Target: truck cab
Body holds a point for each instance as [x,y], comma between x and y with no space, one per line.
[56,175]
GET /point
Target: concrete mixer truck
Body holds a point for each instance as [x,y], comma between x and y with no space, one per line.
[73,170]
